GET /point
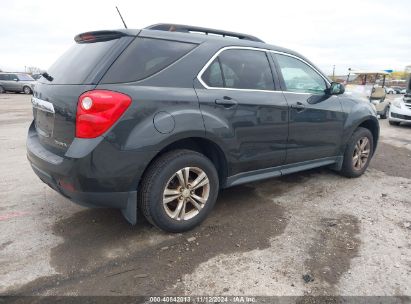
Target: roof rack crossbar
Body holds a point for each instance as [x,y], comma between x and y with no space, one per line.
[196,29]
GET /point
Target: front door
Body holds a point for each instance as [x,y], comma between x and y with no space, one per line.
[243,111]
[13,83]
[315,118]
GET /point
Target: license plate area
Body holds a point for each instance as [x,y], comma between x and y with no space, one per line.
[43,112]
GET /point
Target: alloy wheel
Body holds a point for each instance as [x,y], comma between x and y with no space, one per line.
[361,153]
[186,193]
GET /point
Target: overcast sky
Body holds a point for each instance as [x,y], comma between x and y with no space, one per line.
[359,34]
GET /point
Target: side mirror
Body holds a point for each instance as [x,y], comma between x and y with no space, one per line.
[335,89]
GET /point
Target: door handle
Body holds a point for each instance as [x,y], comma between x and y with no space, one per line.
[298,106]
[226,102]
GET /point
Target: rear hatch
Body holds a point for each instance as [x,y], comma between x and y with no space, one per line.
[79,70]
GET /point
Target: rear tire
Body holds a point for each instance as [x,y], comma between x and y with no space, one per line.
[179,190]
[358,153]
[27,90]
[394,123]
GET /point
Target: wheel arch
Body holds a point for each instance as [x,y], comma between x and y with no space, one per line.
[374,127]
[202,145]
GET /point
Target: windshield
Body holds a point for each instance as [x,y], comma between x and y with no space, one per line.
[25,77]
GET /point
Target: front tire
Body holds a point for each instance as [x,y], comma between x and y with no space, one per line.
[26,90]
[358,153]
[2,90]
[179,190]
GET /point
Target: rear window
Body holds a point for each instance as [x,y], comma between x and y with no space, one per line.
[145,57]
[78,62]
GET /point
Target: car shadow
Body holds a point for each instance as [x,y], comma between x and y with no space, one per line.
[101,251]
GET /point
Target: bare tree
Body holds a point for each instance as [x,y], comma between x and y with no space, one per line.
[33,70]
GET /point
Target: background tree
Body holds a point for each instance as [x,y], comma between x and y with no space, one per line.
[33,70]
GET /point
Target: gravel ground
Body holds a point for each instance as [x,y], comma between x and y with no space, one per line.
[310,233]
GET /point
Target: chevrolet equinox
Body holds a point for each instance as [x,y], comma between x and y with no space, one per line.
[160,119]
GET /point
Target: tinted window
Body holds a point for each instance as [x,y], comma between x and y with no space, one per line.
[213,76]
[78,62]
[246,69]
[2,77]
[299,77]
[145,57]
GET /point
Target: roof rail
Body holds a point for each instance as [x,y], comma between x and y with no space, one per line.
[203,30]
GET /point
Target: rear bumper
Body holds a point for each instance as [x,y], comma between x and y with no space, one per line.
[104,177]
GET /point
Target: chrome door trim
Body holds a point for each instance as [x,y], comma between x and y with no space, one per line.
[200,74]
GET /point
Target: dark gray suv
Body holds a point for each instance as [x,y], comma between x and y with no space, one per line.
[161,119]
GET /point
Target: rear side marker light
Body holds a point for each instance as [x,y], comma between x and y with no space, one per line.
[98,110]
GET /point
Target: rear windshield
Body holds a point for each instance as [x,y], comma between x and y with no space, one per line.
[78,62]
[145,57]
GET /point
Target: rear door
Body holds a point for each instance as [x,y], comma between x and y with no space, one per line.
[316,118]
[243,110]
[77,71]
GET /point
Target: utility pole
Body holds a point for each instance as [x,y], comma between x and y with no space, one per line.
[334,72]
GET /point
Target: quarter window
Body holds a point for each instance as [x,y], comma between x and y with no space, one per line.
[240,69]
[300,77]
[145,57]
[213,76]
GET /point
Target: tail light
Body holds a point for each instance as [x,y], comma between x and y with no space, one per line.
[98,110]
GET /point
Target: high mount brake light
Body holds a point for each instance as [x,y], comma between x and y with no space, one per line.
[98,110]
[98,36]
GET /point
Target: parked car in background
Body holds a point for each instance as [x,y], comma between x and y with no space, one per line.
[171,116]
[390,91]
[16,82]
[400,110]
[366,86]
[397,90]
[403,91]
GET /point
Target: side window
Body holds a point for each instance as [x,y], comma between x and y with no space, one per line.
[240,69]
[213,76]
[246,69]
[145,57]
[299,77]
[2,77]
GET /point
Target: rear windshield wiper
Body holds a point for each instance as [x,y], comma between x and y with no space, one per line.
[47,76]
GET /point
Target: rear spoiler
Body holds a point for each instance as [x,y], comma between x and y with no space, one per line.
[98,36]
